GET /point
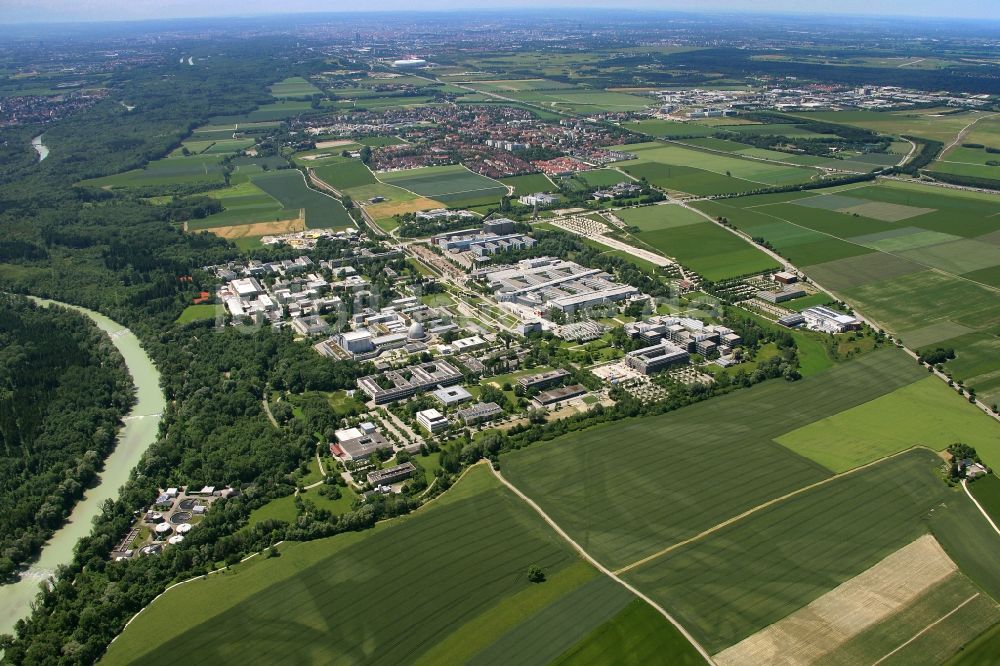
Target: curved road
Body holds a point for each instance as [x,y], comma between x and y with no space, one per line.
[138,432]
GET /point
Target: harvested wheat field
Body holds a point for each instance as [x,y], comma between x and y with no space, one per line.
[849,609]
[261,228]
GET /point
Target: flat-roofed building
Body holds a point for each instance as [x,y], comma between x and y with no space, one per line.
[480,412]
[649,360]
[824,319]
[356,342]
[780,295]
[451,395]
[395,385]
[555,395]
[360,448]
[390,475]
[543,380]
[432,420]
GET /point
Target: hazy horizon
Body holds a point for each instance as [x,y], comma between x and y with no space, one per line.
[68,11]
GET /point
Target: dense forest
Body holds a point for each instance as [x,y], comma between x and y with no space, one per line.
[215,432]
[63,389]
[113,251]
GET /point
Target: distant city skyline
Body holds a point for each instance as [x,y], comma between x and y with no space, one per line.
[28,11]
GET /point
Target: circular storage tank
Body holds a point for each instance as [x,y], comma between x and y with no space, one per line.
[180,517]
[184,528]
[175,539]
[156,516]
[163,529]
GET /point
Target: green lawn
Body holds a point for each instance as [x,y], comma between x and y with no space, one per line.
[924,413]
[630,488]
[756,571]
[197,313]
[443,585]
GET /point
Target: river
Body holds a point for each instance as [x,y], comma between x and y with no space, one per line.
[40,148]
[138,432]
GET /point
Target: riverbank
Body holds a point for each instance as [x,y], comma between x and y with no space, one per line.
[40,148]
[136,435]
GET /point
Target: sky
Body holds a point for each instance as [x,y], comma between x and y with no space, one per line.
[21,11]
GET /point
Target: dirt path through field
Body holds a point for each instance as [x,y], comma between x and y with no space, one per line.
[600,567]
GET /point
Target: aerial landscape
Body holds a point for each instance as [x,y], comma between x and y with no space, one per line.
[432,334]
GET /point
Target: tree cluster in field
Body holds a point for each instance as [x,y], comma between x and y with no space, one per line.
[63,390]
[829,136]
[936,356]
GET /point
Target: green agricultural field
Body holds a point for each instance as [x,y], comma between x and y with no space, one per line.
[289,187]
[655,218]
[244,203]
[294,86]
[927,123]
[449,184]
[623,512]
[181,170]
[752,573]
[703,246]
[602,177]
[924,413]
[669,129]
[534,182]
[346,175]
[266,113]
[987,491]
[378,141]
[920,261]
[583,101]
[368,596]
[634,636]
[755,171]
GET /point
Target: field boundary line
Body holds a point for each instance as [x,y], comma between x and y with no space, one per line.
[749,512]
[600,567]
[929,627]
[965,487]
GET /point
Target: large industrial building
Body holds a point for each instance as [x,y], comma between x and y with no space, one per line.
[547,283]
[824,319]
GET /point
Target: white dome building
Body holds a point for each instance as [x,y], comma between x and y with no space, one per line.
[416,331]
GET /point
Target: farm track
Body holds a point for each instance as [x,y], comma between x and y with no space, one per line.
[600,567]
[965,487]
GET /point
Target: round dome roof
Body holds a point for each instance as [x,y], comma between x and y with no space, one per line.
[416,331]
